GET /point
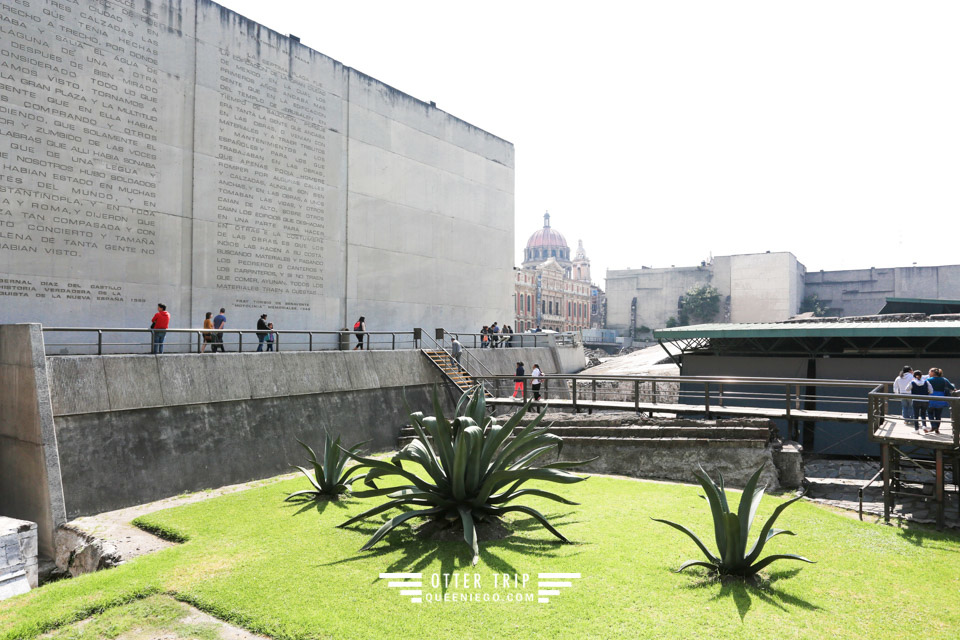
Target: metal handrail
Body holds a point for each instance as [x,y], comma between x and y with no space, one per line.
[877,413]
[480,364]
[712,392]
[566,338]
[818,382]
[342,339]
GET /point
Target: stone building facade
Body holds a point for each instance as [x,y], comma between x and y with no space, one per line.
[551,290]
[765,287]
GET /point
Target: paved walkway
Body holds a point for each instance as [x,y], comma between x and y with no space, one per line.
[835,482]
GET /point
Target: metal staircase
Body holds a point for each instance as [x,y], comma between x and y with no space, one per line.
[453,370]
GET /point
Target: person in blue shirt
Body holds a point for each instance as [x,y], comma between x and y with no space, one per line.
[941,387]
[219,322]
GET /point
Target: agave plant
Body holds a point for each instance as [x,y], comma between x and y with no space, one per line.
[328,478]
[472,470]
[732,530]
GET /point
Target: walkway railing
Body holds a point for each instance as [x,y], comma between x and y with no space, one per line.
[506,340]
[104,340]
[796,399]
[98,341]
[888,426]
[903,448]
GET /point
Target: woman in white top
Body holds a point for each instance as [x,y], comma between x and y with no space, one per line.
[901,386]
[535,381]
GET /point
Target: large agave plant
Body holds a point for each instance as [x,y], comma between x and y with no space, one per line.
[733,529]
[328,479]
[472,470]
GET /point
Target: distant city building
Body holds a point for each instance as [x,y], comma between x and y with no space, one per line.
[766,287]
[551,290]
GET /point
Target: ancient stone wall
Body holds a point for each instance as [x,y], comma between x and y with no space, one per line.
[175,151]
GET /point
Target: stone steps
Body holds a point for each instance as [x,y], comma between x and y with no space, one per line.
[650,435]
[452,369]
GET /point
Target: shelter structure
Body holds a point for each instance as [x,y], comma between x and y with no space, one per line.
[863,348]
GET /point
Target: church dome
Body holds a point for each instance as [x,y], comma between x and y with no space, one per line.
[546,243]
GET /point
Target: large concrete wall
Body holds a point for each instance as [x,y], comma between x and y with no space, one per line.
[760,287]
[658,292]
[764,287]
[859,292]
[770,287]
[175,151]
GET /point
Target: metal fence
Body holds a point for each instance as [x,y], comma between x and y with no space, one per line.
[99,341]
[512,340]
[787,395]
[102,340]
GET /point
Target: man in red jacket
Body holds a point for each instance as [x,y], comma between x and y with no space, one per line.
[161,321]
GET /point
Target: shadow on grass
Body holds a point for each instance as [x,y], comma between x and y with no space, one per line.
[928,537]
[312,504]
[743,591]
[416,553]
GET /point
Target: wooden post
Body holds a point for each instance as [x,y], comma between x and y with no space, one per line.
[885,461]
[706,399]
[636,395]
[574,396]
[938,490]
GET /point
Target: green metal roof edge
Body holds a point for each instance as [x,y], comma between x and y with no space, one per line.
[924,300]
[803,329]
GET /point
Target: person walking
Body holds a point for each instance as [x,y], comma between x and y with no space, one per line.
[494,336]
[359,328]
[919,387]
[484,337]
[261,331]
[159,324]
[457,349]
[271,337]
[941,387]
[901,386]
[207,334]
[535,381]
[219,323]
[518,381]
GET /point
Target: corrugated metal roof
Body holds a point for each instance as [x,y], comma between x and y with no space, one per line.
[811,329]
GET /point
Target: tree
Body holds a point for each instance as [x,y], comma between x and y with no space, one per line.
[701,303]
[813,303]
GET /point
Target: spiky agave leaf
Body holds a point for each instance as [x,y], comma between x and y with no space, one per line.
[473,469]
[328,477]
[732,529]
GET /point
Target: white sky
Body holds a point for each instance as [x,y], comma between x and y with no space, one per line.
[661,132]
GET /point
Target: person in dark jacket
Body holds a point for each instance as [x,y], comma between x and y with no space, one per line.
[919,387]
[941,387]
[518,381]
[261,331]
[360,330]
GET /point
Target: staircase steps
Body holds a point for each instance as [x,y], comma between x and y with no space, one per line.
[453,370]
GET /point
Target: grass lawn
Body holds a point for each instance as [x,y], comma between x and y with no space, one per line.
[285,571]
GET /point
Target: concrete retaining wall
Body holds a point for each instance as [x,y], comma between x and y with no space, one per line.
[86,434]
[30,486]
[558,360]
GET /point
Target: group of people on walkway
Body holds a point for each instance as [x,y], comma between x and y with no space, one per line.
[213,328]
[536,378]
[493,336]
[917,410]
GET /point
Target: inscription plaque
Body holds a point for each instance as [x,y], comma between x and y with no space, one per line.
[174,151]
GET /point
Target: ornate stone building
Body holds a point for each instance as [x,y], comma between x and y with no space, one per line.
[551,290]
